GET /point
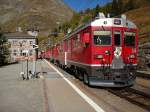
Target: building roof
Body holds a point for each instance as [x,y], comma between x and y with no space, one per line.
[19,35]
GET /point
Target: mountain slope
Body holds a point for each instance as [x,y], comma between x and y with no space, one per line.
[136,3]
[43,14]
[141,17]
[138,12]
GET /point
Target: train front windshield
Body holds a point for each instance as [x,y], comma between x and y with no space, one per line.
[129,39]
[102,37]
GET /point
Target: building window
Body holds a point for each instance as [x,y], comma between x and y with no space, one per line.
[20,52]
[20,44]
[24,42]
[14,42]
[31,53]
[31,43]
[15,52]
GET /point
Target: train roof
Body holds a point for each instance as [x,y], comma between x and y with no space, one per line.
[101,20]
[113,22]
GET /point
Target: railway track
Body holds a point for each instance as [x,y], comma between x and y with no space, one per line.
[143,75]
[134,96]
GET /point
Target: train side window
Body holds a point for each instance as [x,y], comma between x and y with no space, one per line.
[117,38]
[69,44]
[79,42]
[78,38]
[75,41]
[61,47]
[66,45]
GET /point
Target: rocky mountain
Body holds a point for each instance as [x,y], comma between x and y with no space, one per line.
[136,3]
[141,17]
[138,12]
[41,14]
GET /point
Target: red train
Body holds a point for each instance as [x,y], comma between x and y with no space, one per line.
[101,53]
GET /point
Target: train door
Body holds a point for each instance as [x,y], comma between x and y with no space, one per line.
[65,51]
[117,43]
[117,62]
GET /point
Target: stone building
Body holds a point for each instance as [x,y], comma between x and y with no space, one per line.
[21,46]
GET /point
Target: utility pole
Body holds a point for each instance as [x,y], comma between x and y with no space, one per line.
[34,59]
[35,47]
[21,54]
[26,53]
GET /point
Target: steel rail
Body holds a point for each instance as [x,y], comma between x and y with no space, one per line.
[143,75]
[134,96]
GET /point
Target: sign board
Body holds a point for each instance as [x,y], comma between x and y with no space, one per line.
[35,46]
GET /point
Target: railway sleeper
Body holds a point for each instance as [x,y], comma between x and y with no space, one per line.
[134,96]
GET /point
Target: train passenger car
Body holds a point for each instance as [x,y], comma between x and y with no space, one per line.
[102,52]
[47,54]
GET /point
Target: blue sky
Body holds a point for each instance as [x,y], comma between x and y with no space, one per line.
[79,5]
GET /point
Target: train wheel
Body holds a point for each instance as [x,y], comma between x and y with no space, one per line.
[64,67]
[76,74]
[85,78]
[80,75]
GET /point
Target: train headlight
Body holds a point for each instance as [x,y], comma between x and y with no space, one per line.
[99,56]
[132,56]
[107,52]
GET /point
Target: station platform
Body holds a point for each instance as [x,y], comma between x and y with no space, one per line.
[61,96]
[54,91]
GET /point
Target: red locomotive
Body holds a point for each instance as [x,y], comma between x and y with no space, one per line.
[102,52]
